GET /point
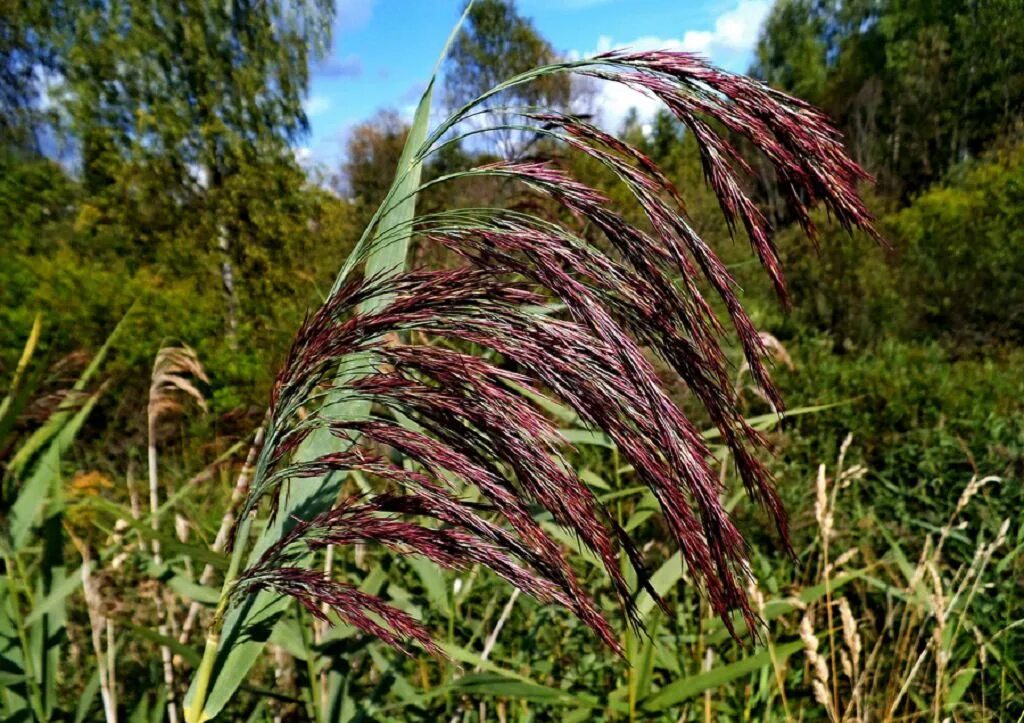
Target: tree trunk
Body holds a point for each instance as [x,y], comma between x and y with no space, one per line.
[227,275]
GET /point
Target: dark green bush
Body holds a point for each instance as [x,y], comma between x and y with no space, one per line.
[923,423]
[952,273]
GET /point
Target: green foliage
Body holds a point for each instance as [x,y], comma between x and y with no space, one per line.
[182,117]
[949,274]
[922,419]
[494,44]
[36,202]
[35,581]
[959,259]
[30,37]
[64,256]
[497,43]
[371,157]
[916,85]
[206,84]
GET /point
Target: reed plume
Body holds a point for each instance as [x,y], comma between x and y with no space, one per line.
[442,368]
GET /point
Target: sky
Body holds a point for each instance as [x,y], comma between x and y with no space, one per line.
[384,50]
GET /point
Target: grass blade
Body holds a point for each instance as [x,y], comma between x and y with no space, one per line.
[677,692]
[248,626]
[56,421]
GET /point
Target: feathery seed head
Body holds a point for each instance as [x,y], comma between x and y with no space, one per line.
[459,419]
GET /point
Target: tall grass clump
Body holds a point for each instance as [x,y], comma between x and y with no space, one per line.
[36,581]
[438,385]
[900,639]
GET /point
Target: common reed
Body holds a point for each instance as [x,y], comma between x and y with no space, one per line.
[390,368]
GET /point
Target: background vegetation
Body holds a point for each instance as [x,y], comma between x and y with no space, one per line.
[179,212]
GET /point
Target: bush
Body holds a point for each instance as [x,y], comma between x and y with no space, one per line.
[952,273]
[960,262]
[923,422]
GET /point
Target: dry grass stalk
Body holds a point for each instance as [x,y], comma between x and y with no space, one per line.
[819,667]
[100,626]
[917,636]
[823,514]
[173,372]
[226,524]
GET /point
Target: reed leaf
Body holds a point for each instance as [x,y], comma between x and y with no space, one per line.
[385,247]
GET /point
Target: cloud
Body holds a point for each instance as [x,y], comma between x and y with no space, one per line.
[316,105]
[737,29]
[615,100]
[349,66]
[733,36]
[734,30]
[353,14]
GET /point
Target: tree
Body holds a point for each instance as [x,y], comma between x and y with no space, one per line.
[29,36]
[371,156]
[791,52]
[916,85]
[196,93]
[497,43]
[832,54]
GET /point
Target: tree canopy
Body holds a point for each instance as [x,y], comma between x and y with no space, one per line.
[916,85]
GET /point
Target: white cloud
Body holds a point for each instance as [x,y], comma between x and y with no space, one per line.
[698,41]
[616,100]
[316,105]
[737,29]
[734,34]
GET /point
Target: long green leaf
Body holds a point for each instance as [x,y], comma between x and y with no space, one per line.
[677,692]
[777,607]
[34,492]
[190,589]
[662,581]
[505,682]
[56,597]
[493,684]
[169,543]
[88,697]
[249,625]
[56,421]
[764,422]
[17,393]
[187,653]
[15,687]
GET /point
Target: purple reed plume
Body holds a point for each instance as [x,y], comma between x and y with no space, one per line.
[463,422]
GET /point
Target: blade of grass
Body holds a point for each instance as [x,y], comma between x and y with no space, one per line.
[16,393]
[34,492]
[56,421]
[248,626]
[681,690]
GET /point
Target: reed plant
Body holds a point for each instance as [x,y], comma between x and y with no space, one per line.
[440,385]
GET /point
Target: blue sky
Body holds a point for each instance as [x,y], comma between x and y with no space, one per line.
[384,51]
